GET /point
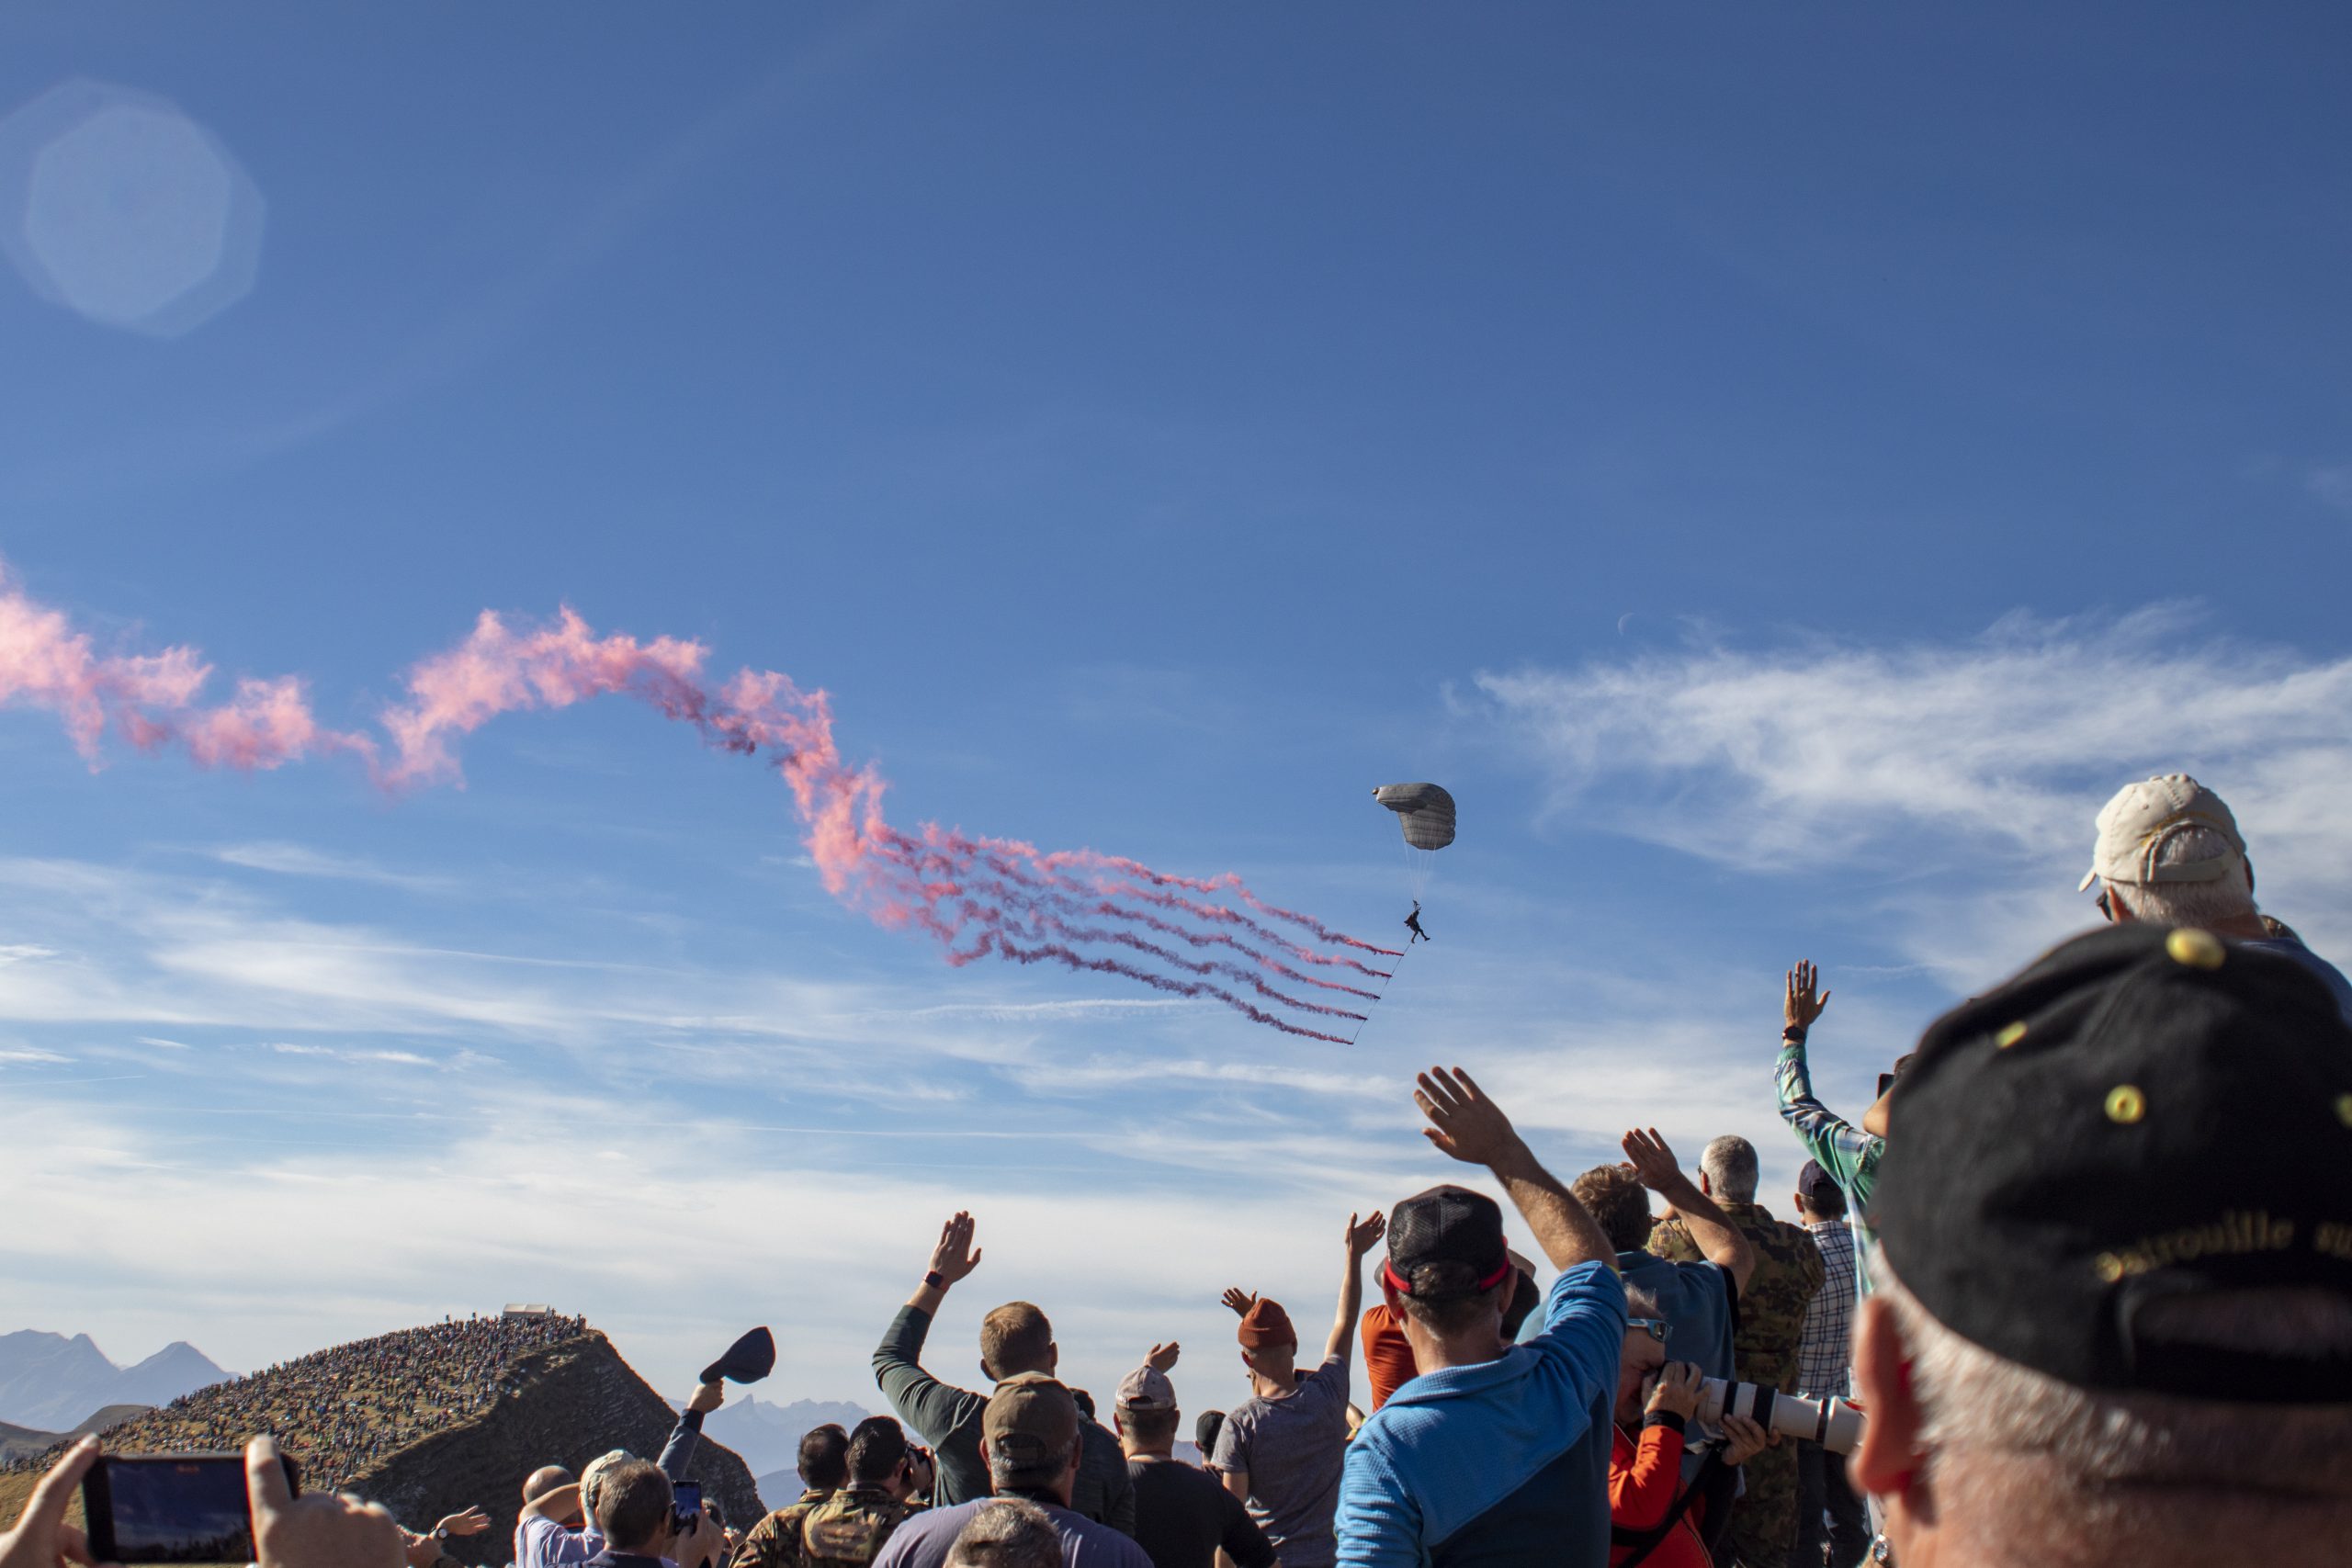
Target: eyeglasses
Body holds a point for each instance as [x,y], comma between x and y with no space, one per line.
[1653,1326]
[2106,908]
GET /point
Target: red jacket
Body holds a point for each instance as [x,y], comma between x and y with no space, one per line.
[1643,1481]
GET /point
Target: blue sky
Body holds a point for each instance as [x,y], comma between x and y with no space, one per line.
[1781,469]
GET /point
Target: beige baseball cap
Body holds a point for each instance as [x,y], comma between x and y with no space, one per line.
[2135,825]
[1147,1388]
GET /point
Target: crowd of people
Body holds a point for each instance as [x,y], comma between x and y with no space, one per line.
[2075,1289]
[345,1410]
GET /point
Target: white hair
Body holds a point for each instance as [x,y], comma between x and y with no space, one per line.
[2226,897]
[1730,1166]
[1007,1533]
[2028,1469]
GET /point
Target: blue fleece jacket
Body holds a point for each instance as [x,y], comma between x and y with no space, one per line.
[1503,1462]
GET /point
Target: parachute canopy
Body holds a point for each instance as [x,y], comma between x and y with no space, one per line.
[1423,810]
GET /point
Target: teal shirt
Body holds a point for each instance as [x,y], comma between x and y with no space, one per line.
[1849,1155]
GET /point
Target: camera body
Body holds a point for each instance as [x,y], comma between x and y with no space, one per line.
[1834,1424]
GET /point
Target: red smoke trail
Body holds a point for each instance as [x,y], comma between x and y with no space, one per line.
[1029,906]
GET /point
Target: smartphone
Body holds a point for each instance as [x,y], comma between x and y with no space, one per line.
[170,1508]
[688,1503]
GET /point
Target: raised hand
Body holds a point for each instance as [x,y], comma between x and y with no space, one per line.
[1362,1239]
[1800,1006]
[1463,1122]
[1239,1302]
[1163,1357]
[954,1257]
[704,1400]
[319,1530]
[473,1521]
[1654,1164]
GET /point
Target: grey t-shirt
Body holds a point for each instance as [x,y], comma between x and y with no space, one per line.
[1293,1450]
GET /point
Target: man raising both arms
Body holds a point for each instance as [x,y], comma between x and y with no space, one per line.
[1281,1450]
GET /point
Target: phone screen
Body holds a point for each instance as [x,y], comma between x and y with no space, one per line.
[689,1500]
[169,1508]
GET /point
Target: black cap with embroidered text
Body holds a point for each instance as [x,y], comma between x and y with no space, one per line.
[2080,1164]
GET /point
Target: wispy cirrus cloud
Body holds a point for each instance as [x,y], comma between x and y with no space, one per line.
[300,860]
[1978,762]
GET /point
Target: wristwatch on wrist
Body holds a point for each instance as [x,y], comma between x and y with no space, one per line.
[936,1280]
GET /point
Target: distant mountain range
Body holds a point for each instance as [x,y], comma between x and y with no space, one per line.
[768,1435]
[53,1383]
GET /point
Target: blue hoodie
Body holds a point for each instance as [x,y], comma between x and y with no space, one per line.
[1501,1464]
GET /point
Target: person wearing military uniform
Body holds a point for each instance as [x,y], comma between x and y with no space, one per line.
[1788,1270]
[846,1528]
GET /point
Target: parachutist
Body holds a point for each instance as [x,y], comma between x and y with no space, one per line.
[1413,924]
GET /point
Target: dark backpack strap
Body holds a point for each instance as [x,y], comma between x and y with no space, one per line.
[1644,1542]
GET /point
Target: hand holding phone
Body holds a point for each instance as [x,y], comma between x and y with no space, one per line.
[41,1537]
[686,1505]
[190,1507]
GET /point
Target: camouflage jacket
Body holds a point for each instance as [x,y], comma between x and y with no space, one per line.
[1772,1308]
[846,1530]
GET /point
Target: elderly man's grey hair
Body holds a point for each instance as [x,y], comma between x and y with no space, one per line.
[2226,897]
[2028,1470]
[1729,1163]
[1007,1533]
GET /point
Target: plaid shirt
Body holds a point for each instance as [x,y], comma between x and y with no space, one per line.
[1824,1351]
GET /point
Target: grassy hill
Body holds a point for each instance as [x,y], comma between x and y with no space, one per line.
[428,1429]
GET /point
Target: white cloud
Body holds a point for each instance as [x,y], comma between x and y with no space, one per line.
[299,860]
[1975,766]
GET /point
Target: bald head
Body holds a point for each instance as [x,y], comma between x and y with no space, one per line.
[544,1479]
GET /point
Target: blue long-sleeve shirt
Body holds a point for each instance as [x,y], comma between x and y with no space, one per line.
[1504,1461]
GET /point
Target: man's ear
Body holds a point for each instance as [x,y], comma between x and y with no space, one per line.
[988,1372]
[1052,1357]
[1888,1456]
[1706,1186]
[1388,1294]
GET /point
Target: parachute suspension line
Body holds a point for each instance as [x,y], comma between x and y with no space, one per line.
[1383,991]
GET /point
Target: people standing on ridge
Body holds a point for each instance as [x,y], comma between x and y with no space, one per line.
[1281,1448]
[1015,1341]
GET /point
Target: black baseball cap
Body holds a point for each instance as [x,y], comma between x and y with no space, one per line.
[1447,1224]
[1820,1190]
[2144,1116]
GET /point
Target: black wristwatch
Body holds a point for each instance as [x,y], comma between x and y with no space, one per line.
[936,1280]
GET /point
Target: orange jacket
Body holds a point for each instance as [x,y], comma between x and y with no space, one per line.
[1388,1354]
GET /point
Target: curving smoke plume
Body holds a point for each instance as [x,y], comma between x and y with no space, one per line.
[978,897]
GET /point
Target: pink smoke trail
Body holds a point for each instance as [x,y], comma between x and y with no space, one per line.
[977,896]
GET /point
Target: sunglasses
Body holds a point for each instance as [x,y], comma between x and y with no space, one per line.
[1653,1326]
[2106,910]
